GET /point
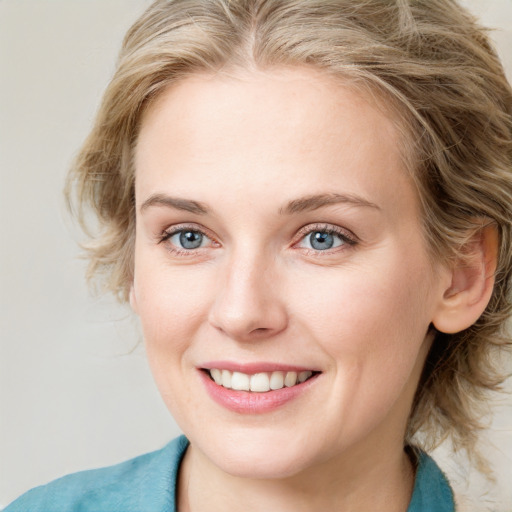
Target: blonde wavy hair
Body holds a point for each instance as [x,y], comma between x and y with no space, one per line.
[435,69]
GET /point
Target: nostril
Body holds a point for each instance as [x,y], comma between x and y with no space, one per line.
[242,317]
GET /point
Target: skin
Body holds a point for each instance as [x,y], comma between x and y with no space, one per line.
[245,146]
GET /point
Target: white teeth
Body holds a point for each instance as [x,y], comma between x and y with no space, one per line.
[226,379]
[217,376]
[304,376]
[258,382]
[277,380]
[240,381]
[290,379]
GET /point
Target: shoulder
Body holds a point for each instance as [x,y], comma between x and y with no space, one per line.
[145,483]
[432,492]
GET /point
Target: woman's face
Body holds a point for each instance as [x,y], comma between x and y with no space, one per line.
[279,239]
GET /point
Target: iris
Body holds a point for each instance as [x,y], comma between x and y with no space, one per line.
[321,240]
[190,239]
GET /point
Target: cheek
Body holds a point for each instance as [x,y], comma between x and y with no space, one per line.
[170,300]
[171,304]
[390,297]
[371,321]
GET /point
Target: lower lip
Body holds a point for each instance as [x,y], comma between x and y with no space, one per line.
[250,402]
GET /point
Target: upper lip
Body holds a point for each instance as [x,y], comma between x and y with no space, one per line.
[256,367]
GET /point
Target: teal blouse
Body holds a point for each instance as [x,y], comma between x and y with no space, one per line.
[148,484]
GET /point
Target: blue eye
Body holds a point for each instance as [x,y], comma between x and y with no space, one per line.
[322,240]
[188,239]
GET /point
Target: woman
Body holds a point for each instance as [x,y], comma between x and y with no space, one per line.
[308,204]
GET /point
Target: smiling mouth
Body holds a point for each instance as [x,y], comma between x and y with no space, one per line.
[259,382]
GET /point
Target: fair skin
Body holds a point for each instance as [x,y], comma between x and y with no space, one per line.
[271,238]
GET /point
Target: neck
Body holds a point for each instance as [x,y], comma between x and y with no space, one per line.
[379,480]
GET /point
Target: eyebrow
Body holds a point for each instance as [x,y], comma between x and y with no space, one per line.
[306,203]
[313,202]
[176,203]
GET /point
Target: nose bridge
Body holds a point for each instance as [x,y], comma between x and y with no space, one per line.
[248,303]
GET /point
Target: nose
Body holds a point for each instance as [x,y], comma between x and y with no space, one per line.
[248,305]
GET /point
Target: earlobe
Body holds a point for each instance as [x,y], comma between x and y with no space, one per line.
[133,299]
[472,282]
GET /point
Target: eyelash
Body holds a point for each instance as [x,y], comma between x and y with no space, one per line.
[169,233]
[345,236]
[348,238]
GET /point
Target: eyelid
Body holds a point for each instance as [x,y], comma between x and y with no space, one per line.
[170,231]
[347,236]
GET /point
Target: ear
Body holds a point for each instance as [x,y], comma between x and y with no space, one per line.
[133,299]
[472,282]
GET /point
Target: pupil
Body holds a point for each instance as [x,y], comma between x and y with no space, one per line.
[321,240]
[190,239]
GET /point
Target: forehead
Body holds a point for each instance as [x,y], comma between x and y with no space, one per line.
[274,130]
[284,96]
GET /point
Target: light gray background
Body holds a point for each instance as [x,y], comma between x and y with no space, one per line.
[75,391]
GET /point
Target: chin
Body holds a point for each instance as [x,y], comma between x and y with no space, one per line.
[258,456]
